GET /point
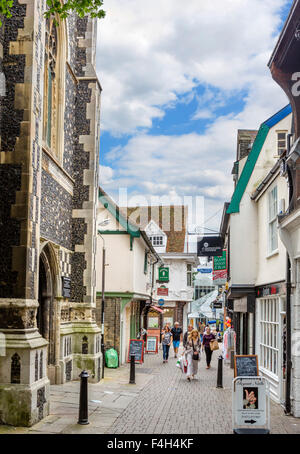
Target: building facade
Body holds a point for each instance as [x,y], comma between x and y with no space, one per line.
[49,146]
[131,264]
[257,256]
[284,67]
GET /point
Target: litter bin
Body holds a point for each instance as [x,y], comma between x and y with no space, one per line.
[111,358]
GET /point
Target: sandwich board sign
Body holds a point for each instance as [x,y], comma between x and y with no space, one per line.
[250,405]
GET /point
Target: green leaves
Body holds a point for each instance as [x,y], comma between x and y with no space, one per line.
[82,8]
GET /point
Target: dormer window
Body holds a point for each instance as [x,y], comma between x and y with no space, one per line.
[281,142]
[157,240]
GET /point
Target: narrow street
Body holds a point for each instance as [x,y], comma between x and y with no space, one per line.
[161,402]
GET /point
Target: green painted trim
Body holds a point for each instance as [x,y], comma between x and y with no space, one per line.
[117,215]
[127,295]
[113,232]
[243,181]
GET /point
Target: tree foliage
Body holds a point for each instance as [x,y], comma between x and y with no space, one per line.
[82,8]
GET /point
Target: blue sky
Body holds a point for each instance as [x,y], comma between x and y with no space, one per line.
[176,87]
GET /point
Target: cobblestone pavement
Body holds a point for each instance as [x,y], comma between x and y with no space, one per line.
[161,402]
[169,404]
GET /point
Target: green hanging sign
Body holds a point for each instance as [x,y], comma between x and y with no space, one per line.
[163,274]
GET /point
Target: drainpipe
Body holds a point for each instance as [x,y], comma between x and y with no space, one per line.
[288,339]
[288,301]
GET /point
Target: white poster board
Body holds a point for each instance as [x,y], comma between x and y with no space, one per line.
[250,405]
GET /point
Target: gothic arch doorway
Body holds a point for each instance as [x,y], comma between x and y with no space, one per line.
[46,314]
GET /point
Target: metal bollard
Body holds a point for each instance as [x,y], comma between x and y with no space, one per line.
[83,398]
[132,370]
[220,372]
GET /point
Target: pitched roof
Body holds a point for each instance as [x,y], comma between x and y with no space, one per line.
[243,181]
[171,219]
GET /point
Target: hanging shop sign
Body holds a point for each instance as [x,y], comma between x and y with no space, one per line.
[210,246]
[152,344]
[163,274]
[220,269]
[66,287]
[204,270]
[161,302]
[162,291]
[136,348]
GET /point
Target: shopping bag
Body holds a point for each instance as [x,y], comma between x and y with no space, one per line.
[214,345]
[183,364]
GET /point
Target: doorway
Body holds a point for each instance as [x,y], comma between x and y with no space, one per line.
[45,312]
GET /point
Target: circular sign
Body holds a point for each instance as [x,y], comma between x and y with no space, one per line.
[161,302]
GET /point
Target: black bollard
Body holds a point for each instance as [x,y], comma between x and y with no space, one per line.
[83,398]
[220,372]
[132,370]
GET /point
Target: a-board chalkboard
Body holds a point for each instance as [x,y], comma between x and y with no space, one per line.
[136,347]
[152,344]
[246,366]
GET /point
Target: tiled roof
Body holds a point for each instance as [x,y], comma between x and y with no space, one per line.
[172,220]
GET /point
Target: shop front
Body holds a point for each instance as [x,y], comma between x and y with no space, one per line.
[271,337]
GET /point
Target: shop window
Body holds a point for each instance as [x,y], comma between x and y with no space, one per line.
[273,210]
[269,332]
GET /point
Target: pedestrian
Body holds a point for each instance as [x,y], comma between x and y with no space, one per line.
[176,333]
[185,337]
[207,338]
[192,353]
[166,342]
[201,329]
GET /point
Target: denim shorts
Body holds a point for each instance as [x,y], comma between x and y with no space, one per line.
[176,344]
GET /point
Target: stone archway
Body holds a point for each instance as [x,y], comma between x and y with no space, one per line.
[47,320]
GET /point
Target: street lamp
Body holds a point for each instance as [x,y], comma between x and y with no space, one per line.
[105,222]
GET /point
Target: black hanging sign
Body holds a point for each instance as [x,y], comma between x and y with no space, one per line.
[210,246]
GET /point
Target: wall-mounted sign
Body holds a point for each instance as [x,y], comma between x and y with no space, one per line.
[162,291]
[217,304]
[163,274]
[220,269]
[240,305]
[210,246]
[204,270]
[274,289]
[66,287]
[161,302]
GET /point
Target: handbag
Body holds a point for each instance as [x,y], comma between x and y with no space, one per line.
[214,345]
[195,353]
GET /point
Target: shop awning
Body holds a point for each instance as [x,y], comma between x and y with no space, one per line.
[157,309]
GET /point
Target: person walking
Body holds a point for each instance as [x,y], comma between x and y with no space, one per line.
[185,337]
[192,353]
[207,338]
[176,333]
[166,342]
[201,330]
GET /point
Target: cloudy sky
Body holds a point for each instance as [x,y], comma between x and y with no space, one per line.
[178,80]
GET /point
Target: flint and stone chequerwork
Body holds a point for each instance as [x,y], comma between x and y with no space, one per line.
[49,120]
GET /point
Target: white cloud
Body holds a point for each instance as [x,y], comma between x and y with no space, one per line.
[151,52]
[154,54]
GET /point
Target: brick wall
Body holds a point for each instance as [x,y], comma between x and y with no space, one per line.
[111,322]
